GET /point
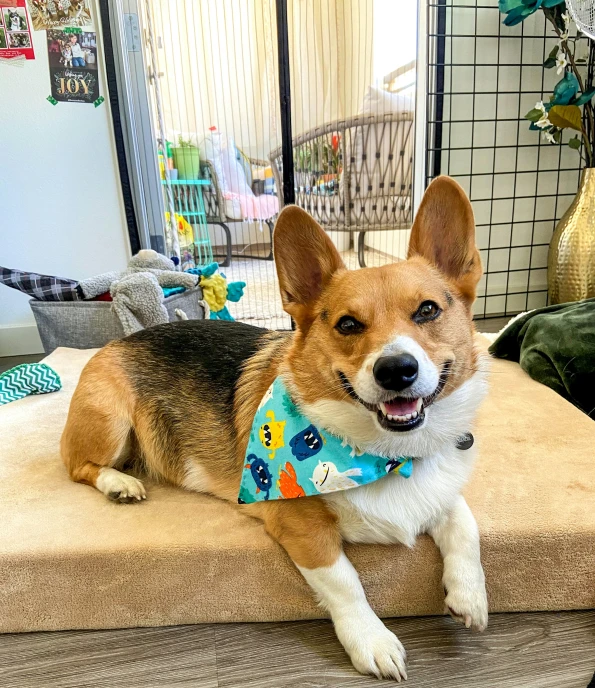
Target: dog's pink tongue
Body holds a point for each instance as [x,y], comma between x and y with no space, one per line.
[401,407]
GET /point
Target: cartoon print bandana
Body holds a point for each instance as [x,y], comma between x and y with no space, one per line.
[289,457]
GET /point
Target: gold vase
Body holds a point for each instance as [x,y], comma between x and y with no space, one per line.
[571,259]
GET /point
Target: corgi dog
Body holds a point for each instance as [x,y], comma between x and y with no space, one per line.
[383,358]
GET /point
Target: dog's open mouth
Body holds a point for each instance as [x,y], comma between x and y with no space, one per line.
[400,413]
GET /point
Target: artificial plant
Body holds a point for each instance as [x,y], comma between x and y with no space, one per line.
[571,93]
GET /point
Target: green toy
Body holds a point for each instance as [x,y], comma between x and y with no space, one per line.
[28,378]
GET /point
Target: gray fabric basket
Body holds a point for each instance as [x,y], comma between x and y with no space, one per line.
[91,324]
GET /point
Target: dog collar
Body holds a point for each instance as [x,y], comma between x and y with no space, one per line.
[289,457]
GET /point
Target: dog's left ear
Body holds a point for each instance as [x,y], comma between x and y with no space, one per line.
[306,260]
[444,234]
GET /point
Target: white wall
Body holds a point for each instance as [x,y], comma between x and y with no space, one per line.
[61,206]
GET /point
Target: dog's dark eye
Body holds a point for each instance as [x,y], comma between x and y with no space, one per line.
[426,312]
[349,325]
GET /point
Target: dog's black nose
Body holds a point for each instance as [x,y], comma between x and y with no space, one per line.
[396,372]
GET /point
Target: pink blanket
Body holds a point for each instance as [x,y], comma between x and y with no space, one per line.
[255,207]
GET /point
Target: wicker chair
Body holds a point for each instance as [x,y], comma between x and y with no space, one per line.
[215,205]
[354,175]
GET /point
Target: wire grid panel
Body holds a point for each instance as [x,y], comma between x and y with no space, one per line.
[213,74]
[352,116]
[483,77]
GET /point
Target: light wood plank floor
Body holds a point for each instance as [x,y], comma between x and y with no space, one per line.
[553,650]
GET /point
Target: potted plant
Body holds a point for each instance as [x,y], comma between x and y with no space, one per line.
[571,260]
[186,159]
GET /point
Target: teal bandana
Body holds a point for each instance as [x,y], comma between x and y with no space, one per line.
[288,457]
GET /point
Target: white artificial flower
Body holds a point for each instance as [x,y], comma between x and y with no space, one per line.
[549,137]
[566,18]
[543,122]
[540,106]
[563,37]
[561,62]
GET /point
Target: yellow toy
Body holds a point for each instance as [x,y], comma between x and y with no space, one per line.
[214,291]
[271,434]
[185,233]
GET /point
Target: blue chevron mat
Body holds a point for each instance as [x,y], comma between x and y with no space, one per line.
[28,378]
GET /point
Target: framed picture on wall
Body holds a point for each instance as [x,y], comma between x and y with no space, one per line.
[72,58]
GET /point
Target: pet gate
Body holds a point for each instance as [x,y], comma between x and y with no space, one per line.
[238,107]
[252,104]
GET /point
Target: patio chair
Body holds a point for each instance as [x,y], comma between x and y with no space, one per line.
[219,211]
[354,175]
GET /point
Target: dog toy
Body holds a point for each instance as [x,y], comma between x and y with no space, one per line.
[28,378]
[185,232]
[217,291]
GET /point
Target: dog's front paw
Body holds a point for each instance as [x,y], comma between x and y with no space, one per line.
[372,648]
[466,601]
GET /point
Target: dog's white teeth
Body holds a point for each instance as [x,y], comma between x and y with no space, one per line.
[408,416]
[414,414]
[420,402]
[383,409]
[389,417]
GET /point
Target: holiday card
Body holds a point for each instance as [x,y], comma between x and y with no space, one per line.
[73,65]
[55,14]
[15,32]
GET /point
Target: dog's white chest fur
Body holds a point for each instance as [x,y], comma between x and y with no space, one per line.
[398,509]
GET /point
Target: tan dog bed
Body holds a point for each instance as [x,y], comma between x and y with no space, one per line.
[71,559]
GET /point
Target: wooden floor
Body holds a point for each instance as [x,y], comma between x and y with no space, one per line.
[553,650]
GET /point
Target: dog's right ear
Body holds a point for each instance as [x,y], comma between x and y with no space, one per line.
[306,260]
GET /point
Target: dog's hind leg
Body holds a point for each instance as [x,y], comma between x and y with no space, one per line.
[98,428]
[308,531]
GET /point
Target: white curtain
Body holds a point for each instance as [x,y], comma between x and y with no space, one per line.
[218,65]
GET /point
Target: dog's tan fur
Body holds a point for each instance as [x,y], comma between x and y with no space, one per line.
[109,422]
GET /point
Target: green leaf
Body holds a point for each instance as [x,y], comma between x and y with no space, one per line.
[585,97]
[534,115]
[575,143]
[566,117]
[557,136]
[506,5]
[517,15]
[551,58]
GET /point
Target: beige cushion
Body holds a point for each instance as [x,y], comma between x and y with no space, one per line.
[69,558]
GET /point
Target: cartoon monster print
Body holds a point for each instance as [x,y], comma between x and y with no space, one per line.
[271,434]
[327,478]
[244,496]
[261,474]
[306,443]
[288,484]
[268,395]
